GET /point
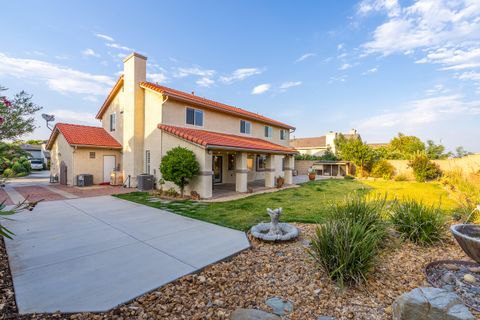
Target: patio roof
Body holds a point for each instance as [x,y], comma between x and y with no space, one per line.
[222,141]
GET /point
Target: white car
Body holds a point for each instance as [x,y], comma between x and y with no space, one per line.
[36,164]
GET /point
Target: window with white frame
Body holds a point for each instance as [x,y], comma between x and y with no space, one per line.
[268,132]
[147,161]
[245,127]
[113,122]
[194,117]
[283,134]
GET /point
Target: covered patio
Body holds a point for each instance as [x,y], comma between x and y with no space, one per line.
[231,163]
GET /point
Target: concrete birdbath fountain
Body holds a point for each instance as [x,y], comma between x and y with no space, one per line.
[462,277]
[274,230]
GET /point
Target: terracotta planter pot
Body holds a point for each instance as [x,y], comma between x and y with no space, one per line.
[468,237]
[312,176]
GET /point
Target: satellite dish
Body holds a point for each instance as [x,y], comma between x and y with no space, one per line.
[48,117]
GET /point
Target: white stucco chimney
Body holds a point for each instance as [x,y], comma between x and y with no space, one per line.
[134,72]
[330,140]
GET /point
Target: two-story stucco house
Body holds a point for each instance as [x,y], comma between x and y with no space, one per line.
[141,121]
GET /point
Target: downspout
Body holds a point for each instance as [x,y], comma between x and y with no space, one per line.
[73,165]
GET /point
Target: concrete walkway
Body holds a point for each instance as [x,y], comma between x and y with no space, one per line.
[91,254]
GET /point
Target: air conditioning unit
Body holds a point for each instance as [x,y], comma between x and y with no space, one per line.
[145,182]
[84,180]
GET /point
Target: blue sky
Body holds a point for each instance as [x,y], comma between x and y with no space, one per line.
[379,66]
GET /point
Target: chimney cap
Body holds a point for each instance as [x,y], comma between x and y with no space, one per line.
[134,54]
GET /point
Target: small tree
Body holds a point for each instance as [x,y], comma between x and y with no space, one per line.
[356,151]
[16,116]
[423,168]
[179,166]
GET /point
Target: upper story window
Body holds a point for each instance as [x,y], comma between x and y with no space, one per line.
[268,132]
[113,122]
[194,117]
[245,127]
[283,134]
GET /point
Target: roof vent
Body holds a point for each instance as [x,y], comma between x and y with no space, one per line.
[193,93]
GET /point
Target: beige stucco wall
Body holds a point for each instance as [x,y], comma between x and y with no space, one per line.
[302,166]
[467,165]
[61,151]
[116,106]
[174,114]
[153,135]
[83,164]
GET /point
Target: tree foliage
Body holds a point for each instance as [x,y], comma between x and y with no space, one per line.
[460,152]
[423,168]
[328,155]
[436,151]
[16,115]
[355,150]
[13,160]
[179,166]
[405,147]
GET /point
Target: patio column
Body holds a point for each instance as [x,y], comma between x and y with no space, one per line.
[289,165]
[202,183]
[270,171]
[241,172]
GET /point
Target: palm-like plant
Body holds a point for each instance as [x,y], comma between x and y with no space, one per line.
[4,214]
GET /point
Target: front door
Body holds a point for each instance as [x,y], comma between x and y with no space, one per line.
[108,167]
[217,169]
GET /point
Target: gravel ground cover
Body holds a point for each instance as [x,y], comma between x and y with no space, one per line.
[279,270]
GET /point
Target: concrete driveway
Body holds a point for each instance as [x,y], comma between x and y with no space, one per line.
[92,254]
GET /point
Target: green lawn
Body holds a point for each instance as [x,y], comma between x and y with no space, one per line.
[307,203]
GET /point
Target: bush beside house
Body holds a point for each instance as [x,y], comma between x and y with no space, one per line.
[179,166]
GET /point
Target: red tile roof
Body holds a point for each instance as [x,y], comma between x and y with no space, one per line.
[213,140]
[176,94]
[79,135]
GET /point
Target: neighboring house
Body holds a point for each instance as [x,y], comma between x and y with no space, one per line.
[316,146]
[35,150]
[141,121]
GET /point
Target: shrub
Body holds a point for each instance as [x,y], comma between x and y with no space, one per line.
[171,193]
[382,169]
[27,165]
[349,177]
[418,222]
[401,177]
[179,165]
[423,168]
[18,167]
[346,245]
[8,173]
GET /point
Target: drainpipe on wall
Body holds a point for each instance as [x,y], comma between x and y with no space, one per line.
[73,167]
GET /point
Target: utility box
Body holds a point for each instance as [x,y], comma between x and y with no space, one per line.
[84,180]
[145,182]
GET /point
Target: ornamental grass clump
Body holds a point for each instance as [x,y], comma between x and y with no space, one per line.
[418,222]
[346,245]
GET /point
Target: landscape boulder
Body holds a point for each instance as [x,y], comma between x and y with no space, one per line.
[253,314]
[430,304]
[280,306]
